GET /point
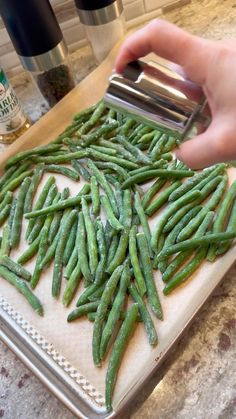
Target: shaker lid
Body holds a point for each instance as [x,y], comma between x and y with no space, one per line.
[31,25]
[92,5]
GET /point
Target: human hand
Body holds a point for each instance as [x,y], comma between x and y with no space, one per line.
[212,65]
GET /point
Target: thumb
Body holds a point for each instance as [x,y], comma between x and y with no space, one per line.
[215,145]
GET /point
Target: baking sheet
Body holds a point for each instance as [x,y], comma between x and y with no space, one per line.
[73,341]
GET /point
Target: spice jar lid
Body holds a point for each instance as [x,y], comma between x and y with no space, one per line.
[104,11]
[32,26]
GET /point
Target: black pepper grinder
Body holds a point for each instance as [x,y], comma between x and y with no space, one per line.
[39,43]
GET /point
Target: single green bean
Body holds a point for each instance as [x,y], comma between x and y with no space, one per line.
[11,186]
[152,294]
[143,220]
[96,155]
[21,286]
[120,254]
[5,245]
[38,173]
[99,132]
[145,316]
[72,285]
[4,213]
[161,199]
[95,196]
[118,148]
[15,267]
[83,254]
[66,171]
[7,175]
[81,169]
[70,244]
[91,238]
[57,216]
[29,252]
[156,187]
[67,203]
[193,243]
[123,174]
[110,214]
[96,115]
[29,153]
[6,200]
[82,310]
[150,174]
[139,279]
[57,271]
[118,350]
[101,312]
[101,240]
[63,158]
[139,155]
[18,216]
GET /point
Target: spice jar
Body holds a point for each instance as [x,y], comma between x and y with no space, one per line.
[104,24]
[38,40]
[13,121]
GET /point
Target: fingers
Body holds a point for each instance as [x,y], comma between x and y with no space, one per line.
[167,41]
[213,146]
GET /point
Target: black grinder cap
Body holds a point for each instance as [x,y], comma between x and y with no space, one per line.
[92,4]
[31,25]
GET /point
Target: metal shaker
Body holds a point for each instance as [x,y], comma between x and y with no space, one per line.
[156,94]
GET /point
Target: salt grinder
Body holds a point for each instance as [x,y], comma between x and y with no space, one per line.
[154,93]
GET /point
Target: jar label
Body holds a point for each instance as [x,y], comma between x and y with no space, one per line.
[11,115]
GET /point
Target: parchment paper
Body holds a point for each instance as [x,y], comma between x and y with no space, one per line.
[73,340]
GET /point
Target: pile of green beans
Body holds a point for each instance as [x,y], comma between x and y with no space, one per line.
[100,241]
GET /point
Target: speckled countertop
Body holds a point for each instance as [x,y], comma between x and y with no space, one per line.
[199,378]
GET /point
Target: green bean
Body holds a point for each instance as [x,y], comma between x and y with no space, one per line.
[136,131]
[99,132]
[157,185]
[82,245]
[29,153]
[71,129]
[5,245]
[42,248]
[172,236]
[85,113]
[177,216]
[155,139]
[66,171]
[30,251]
[50,251]
[114,167]
[11,186]
[72,285]
[185,187]
[186,272]
[81,169]
[6,200]
[102,252]
[104,184]
[130,122]
[95,196]
[161,199]
[81,310]
[115,312]
[152,294]
[143,220]
[4,213]
[50,199]
[38,173]
[67,203]
[84,297]
[91,238]
[118,148]
[158,149]
[105,150]
[223,247]
[219,169]
[183,256]
[110,214]
[97,294]
[63,158]
[101,312]
[193,243]
[209,206]
[17,221]
[70,244]
[139,279]
[150,174]
[118,350]
[157,165]
[144,130]
[126,216]
[170,144]
[14,267]
[21,286]
[191,196]
[57,271]
[120,254]
[221,217]
[96,155]
[40,202]
[73,260]
[145,316]
[139,155]
[112,249]
[7,175]
[146,138]
[96,115]
[57,217]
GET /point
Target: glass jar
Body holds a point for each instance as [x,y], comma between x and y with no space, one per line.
[104,24]
[13,122]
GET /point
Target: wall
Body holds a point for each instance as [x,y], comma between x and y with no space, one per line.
[136,12]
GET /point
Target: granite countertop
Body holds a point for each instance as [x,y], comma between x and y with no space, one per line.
[198,379]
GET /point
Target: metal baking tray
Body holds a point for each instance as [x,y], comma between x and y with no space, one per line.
[57,352]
